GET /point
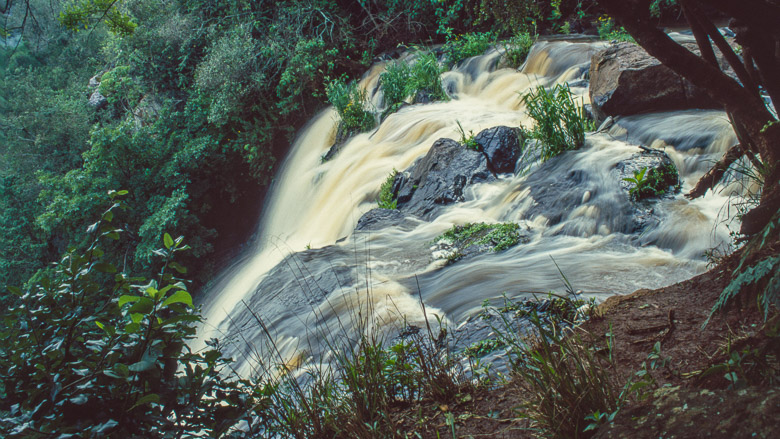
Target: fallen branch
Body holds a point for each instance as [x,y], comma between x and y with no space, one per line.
[716,173]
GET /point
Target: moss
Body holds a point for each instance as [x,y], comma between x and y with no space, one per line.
[499,236]
[386,196]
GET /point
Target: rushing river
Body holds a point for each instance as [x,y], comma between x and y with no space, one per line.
[309,273]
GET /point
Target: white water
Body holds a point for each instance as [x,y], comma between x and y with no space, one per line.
[316,205]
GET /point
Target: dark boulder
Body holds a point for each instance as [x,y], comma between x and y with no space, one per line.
[378,218]
[502,147]
[660,173]
[440,178]
[625,79]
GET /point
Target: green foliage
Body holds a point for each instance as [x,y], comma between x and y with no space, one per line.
[81,14]
[499,236]
[83,359]
[460,47]
[566,378]
[763,276]
[509,16]
[467,139]
[560,123]
[425,79]
[516,50]
[350,102]
[483,347]
[387,198]
[610,31]
[395,85]
[653,183]
[421,82]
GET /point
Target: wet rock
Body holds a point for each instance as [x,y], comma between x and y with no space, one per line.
[97,100]
[676,412]
[440,178]
[376,219]
[625,79]
[342,135]
[656,163]
[502,147]
[473,239]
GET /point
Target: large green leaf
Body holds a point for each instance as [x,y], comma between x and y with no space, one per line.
[180,296]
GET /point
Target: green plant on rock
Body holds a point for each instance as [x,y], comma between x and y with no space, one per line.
[560,123]
[610,31]
[425,79]
[350,101]
[420,81]
[517,48]
[498,236]
[467,139]
[653,182]
[395,85]
[387,198]
[460,47]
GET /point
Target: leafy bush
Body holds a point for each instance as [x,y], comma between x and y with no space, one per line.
[395,85]
[465,46]
[421,81]
[386,196]
[610,31]
[560,123]
[78,359]
[350,102]
[425,79]
[516,50]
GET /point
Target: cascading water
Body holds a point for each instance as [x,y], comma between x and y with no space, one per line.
[309,267]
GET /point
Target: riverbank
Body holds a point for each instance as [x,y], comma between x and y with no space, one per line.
[714,381]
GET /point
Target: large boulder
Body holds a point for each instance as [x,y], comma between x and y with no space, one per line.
[502,147]
[625,79]
[440,178]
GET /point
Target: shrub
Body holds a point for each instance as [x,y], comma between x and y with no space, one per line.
[386,196]
[465,46]
[421,81]
[350,102]
[395,85]
[560,123]
[516,50]
[79,359]
[425,79]
[610,31]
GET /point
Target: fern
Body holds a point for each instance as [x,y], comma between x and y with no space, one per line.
[754,274]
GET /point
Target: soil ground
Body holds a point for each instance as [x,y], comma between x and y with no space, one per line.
[686,402]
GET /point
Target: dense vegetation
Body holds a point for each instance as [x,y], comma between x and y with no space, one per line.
[191,105]
[199,100]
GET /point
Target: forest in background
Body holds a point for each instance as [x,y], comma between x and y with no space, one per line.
[203,100]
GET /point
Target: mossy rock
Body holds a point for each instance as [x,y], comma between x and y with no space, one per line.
[472,239]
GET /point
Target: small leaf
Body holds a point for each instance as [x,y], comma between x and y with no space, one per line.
[168,241]
[15,291]
[143,306]
[178,267]
[128,299]
[180,296]
[108,216]
[150,398]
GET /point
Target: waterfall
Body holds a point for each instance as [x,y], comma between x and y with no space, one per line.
[309,267]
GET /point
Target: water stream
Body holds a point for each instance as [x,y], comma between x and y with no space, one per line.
[309,269]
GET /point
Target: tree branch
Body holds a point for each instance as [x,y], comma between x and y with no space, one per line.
[716,173]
